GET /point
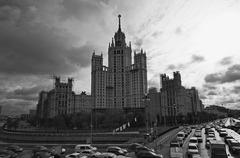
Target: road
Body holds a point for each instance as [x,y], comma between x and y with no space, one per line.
[165,146]
[162,144]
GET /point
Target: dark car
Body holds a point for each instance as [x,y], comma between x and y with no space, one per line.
[228,137]
[14,148]
[148,154]
[132,147]
[42,152]
[116,150]
[143,148]
[234,147]
[7,154]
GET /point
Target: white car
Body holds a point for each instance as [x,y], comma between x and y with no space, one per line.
[208,141]
[73,155]
[193,140]
[88,153]
[180,137]
[82,147]
[106,155]
[192,149]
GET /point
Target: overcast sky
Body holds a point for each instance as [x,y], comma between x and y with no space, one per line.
[42,38]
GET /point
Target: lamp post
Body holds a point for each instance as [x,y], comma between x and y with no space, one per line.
[145,100]
[175,113]
[91,126]
[165,117]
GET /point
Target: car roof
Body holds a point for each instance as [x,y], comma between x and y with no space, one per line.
[107,154]
[74,154]
[83,145]
[192,144]
[115,147]
[233,140]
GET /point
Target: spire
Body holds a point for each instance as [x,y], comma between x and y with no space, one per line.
[119,22]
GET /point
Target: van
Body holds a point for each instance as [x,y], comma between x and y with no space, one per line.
[217,149]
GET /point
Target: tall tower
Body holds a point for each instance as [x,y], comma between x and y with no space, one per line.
[98,82]
[121,84]
[119,57]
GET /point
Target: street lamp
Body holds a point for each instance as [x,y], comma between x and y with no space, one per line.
[175,113]
[91,126]
[145,100]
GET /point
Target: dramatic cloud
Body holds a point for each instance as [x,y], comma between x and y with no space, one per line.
[202,97]
[30,94]
[236,90]
[212,93]
[194,59]
[197,58]
[42,38]
[232,74]
[226,61]
[35,48]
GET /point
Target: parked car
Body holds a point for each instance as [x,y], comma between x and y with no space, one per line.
[143,148]
[116,150]
[105,155]
[88,153]
[73,155]
[81,147]
[14,148]
[148,154]
[132,147]
[7,154]
[42,152]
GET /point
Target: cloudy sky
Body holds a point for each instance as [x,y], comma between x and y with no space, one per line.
[42,38]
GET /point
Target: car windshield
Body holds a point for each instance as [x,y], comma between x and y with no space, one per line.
[193,141]
[180,135]
[192,147]
[174,145]
[236,144]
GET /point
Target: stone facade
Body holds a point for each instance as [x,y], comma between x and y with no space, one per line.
[61,100]
[121,84]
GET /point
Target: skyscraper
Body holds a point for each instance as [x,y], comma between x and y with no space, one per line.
[121,84]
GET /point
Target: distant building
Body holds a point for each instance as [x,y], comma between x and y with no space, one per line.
[61,100]
[32,112]
[25,116]
[195,101]
[41,106]
[216,110]
[122,84]
[173,100]
[82,102]
[154,106]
